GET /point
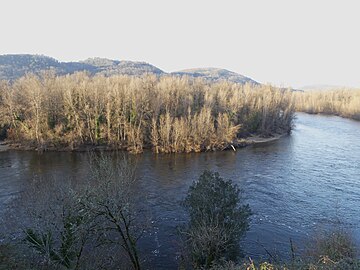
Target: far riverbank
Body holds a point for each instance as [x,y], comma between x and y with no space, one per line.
[240,143]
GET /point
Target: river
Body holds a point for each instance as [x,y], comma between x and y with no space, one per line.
[295,186]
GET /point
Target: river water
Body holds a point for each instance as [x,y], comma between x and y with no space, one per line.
[295,186]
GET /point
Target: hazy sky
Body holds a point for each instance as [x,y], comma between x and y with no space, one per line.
[284,42]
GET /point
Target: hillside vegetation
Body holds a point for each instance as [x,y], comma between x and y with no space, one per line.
[14,66]
[215,75]
[166,114]
[343,102]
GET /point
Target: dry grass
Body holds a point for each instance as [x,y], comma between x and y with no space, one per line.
[167,114]
[345,103]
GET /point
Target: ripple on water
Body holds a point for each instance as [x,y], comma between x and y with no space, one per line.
[294,186]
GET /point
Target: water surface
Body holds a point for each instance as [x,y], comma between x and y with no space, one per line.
[294,186]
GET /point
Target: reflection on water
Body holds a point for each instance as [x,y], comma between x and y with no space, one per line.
[299,183]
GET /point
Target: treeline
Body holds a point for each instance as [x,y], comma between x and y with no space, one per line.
[345,103]
[167,114]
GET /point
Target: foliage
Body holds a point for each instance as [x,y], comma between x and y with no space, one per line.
[217,219]
[63,243]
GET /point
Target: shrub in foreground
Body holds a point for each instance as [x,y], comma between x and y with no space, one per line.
[91,225]
[218,220]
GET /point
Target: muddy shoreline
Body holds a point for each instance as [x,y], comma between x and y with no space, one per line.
[251,140]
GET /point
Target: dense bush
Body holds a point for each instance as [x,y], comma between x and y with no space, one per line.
[217,219]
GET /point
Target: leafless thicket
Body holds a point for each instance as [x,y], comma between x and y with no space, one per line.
[91,225]
[167,114]
[344,102]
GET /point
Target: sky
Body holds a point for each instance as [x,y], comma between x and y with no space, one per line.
[282,42]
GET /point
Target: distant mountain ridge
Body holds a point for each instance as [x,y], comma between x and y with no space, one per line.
[216,74]
[14,66]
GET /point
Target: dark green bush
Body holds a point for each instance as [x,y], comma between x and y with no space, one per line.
[217,219]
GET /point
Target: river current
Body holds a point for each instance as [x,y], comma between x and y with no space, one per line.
[295,186]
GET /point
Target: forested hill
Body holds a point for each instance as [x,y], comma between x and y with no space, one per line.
[216,74]
[17,65]
[14,66]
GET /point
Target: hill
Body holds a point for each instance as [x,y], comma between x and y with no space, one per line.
[17,65]
[13,66]
[216,74]
[109,67]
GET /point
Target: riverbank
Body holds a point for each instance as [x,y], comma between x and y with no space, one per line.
[261,140]
[240,143]
[4,146]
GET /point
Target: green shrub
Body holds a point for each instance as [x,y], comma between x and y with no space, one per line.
[217,219]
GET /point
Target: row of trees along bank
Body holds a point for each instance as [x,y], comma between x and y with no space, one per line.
[167,114]
[342,102]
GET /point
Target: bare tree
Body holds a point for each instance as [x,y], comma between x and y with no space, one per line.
[167,114]
[113,203]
